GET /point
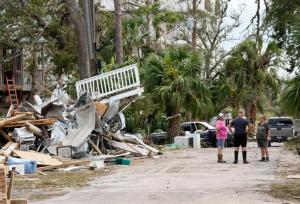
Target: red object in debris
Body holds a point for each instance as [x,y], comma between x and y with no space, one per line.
[12,92]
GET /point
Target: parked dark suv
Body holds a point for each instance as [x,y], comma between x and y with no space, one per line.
[282,128]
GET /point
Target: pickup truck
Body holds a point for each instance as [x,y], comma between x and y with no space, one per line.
[282,128]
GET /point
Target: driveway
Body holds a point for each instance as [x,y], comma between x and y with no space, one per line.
[183,176]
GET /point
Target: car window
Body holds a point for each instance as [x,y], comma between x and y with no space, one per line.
[185,127]
[280,121]
[200,126]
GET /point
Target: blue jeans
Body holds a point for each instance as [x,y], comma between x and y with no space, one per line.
[221,143]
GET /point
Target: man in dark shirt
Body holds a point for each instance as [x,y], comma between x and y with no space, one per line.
[240,125]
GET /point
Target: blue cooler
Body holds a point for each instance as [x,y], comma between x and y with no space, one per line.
[30,165]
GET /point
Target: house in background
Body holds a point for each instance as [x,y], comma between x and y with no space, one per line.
[13,66]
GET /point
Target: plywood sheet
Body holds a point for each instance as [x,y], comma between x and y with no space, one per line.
[42,159]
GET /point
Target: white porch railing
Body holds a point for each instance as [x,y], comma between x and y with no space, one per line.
[119,83]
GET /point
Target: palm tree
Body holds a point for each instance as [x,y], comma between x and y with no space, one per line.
[174,79]
[290,98]
[251,76]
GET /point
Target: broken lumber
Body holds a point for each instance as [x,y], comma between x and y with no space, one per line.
[10,185]
[10,110]
[41,159]
[95,146]
[35,130]
[12,119]
[9,148]
[3,189]
[6,136]
[37,122]
[74,163]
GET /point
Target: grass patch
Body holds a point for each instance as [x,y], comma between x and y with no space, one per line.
[292,144]
[53,184]
[287,190]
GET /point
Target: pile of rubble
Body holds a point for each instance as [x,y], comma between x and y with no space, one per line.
[55,130]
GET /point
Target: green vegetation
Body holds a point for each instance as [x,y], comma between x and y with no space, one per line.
[194,81]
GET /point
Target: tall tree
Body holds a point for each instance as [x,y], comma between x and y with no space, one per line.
[250,74]
[118,32]
[283,17]
[290,98]
[79,25]
[173,80]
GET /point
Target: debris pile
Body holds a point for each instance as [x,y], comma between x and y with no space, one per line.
[55,130]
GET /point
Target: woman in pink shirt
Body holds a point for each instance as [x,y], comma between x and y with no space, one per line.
[221,136]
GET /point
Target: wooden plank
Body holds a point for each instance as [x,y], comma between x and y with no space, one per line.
[37,122]
[7,149]
[3,189]
[6,136]
[95,147]
[101,108]
[18,201]
[41,159]
[10,111]
[74,163]
[35,130]
[12,119]
[10,185]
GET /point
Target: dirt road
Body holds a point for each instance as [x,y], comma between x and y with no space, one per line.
[189,176]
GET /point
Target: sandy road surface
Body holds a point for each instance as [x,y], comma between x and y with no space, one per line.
[189,176]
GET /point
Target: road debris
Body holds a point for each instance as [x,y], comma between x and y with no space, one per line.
[60,133]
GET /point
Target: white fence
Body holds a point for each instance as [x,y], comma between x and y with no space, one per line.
[121,83]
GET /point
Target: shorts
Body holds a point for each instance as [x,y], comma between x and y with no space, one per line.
[262,143]
[221,143]
[240,139]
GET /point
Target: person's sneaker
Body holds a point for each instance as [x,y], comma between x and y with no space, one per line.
[246,162]
[267,159]
[262,159]
[222,161]
[235,162]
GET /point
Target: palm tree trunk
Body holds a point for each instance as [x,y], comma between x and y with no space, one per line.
[173,127]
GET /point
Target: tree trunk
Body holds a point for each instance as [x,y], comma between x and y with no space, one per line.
[148,24]
[118,30]
[253,110]
[173,127]
[207,5]
[81,33]
[207,62]
[194,32]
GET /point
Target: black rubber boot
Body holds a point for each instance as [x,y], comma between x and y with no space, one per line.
[245,157]
[262,159]
[236,157]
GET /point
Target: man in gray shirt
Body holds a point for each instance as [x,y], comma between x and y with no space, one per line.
[240,125]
